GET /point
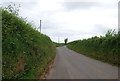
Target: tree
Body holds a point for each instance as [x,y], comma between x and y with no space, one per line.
[66,41]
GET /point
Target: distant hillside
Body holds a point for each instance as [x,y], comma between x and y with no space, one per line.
[58,44]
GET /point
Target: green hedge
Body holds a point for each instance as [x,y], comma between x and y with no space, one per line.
[106,48]
[25,51]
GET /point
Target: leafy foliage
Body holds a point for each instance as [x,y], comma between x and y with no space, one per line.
[105,48]
[66,40]
[26,52]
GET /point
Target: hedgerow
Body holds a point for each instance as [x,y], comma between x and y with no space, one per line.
[105,48]
[25,51]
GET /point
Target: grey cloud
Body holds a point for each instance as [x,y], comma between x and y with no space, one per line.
[67,33]
[100,29]
[27,5]
[80,5]
[50,25]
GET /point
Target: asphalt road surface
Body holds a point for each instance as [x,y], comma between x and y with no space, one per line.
[71,65]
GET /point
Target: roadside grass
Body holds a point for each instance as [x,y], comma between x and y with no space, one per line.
[25,51]
[106,49]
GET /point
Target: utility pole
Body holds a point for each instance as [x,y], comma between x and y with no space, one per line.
[40,26]
[58,39]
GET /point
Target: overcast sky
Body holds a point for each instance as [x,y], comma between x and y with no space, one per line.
[72,19]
